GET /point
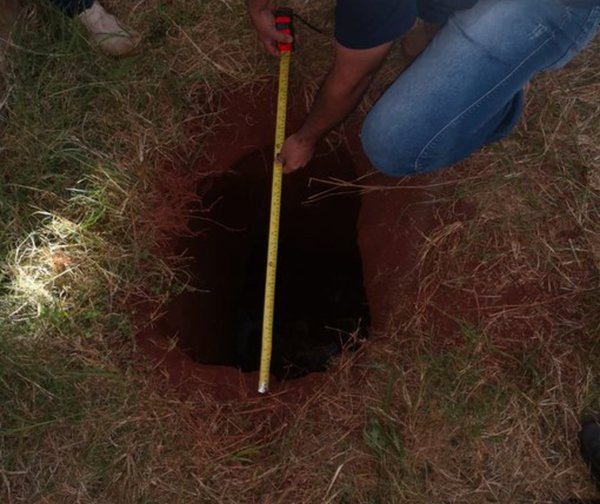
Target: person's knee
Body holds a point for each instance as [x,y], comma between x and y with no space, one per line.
[399,151]
[390,156]
[403,155]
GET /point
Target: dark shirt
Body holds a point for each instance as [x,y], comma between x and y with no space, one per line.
[363,24]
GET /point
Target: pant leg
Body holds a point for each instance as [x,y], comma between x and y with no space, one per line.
[465,89]
[438,11]
[73,7]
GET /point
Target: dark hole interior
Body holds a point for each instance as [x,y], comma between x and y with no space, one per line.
[320,306]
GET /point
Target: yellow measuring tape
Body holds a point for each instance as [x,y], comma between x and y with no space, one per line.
[269,307]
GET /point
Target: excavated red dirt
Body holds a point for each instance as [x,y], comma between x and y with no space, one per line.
[394,220]
[390,227]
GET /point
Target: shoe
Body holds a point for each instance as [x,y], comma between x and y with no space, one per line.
[108,33]
[589,440]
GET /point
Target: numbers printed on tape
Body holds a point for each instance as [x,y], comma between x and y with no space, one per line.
[269,306]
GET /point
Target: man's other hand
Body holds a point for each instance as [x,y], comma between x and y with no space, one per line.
[296,153]
[264,22]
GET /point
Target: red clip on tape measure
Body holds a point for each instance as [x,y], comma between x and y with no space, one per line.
[284,22]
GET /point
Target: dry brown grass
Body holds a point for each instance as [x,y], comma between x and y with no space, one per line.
[487,415]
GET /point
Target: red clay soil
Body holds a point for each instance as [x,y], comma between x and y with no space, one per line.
[391,227]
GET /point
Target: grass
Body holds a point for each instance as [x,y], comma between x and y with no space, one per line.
[93,150]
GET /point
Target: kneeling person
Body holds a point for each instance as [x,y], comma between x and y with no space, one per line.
[464,91]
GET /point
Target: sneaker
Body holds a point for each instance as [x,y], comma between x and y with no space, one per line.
[108,33]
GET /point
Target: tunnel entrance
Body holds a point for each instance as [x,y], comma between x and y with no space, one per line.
[320,305]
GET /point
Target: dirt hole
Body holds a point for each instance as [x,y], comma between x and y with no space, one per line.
[321,306]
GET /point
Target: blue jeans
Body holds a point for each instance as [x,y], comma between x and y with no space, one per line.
[73,7]
[466,89]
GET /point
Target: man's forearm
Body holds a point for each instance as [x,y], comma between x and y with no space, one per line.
[257,4]
[335,100]
[342,90]
[255,7]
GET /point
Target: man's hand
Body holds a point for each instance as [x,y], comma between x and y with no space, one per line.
[344,86]
[296,153]
[263,19]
